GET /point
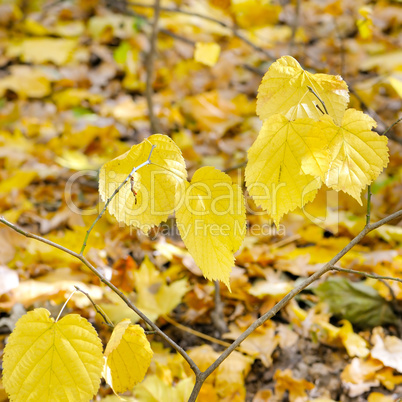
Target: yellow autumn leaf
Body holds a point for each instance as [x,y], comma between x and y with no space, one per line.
[42,50]
[354,344]
[278,160]
[284,89]
[212,222]
[128,355]
[358,154]
[207,53]
[378,397]
[26,81]
[52,361]
[155,184]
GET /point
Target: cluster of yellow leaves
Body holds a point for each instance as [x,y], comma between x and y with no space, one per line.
[50,360]
[309,138]
[210,210]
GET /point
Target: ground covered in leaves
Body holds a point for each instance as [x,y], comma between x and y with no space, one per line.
[73,95]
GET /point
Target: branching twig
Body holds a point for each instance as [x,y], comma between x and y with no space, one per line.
[108,322]
[268,315]
[316,95]
[122,296]
[147,162]
[150,69]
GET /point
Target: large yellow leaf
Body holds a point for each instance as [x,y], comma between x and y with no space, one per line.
[284,90]
[358,154]
[278,161]
[52,361]
[156,184]
[211,220]
[128,356]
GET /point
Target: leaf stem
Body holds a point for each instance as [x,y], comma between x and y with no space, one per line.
[316,95]
[147,162]
[65,304]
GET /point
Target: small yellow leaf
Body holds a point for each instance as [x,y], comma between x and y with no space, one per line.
[278,160]
[284,90]
[358,154]
[207,53]
[396,84]
[296,387]
[354,344]
[52,361]
[155,184]
[212,222]
[128,356]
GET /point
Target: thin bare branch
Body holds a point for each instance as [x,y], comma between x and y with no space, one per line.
[122,296]
[150,69]
[368,214]
[303,285]
[366,274]
[322,102]
[106,319]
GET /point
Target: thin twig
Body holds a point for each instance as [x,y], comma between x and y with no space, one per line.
[391,126]
[268,315]
[233,28]
[64,305]
[217,316]
[150,69]
[374,276]
[195,332]
[122,296]
[368,205]
[106,319]
[316,95]
[147,162]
